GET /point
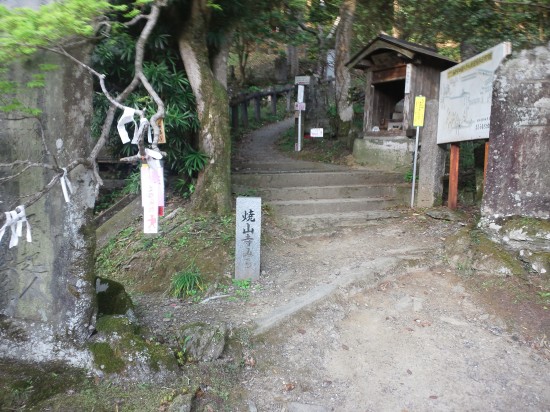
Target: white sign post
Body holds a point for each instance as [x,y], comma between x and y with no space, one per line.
[247,238]
[465,96]
[300,106]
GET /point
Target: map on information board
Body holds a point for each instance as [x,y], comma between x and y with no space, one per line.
[465,94]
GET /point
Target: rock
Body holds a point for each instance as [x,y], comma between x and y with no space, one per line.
[539,262]
[203,342]
[443,214]
[252,407]
[117,348]
[181,403]
[112,298]
[302,407]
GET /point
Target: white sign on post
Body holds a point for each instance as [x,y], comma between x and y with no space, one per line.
[302,80]
[301,93]
[465,96]
[247,237]
[299,106]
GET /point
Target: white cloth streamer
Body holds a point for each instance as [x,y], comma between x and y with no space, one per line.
[15,220]
[127,117]
[66,185]
[153,154]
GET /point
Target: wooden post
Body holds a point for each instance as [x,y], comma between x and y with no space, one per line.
[244,113]
[235,117]
[274,103]
[257,109]
[289,101]
[453,176]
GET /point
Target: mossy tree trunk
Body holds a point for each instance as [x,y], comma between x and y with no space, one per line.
[344,106]
[213,191]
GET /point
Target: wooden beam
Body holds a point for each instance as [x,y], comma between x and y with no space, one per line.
[389,74]
[274,103]
[244,114]
[453,176]
[257,109]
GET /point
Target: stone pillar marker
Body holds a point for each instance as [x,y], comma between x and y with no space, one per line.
[247,238]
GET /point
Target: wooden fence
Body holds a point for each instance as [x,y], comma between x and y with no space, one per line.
[241,103]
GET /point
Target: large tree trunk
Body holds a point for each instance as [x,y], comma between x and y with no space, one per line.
[341,72]
[219,58]
[293,61]
[213,191]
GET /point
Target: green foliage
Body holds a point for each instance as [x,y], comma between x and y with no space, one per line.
[186,282]
[194,161]
[164,69]
[24,30]
[133,184]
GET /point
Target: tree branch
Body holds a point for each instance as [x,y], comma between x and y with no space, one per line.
[138,78]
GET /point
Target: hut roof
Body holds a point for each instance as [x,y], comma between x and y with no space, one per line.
[408,51]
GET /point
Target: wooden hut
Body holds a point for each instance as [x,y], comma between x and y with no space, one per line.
[396,72]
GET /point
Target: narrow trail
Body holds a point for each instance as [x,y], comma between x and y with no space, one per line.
[257,153]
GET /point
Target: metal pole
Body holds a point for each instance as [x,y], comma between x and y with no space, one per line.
[299,130]
[414,166]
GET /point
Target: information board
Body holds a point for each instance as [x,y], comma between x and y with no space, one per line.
[465,96]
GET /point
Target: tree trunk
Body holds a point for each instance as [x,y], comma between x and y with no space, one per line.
[293,61]
[219,60]
[342,75]
[396,27]
[213,191]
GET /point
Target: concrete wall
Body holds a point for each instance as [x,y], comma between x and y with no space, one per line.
[47,297]
[518,175]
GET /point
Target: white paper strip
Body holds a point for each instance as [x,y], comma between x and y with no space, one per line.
[127,117]
[66,185]
[15,220]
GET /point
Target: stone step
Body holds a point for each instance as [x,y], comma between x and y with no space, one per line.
[299,179]
[398,191]
[316,206]
[333,221]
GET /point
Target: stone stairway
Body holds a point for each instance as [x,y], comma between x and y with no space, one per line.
[311,196]
[311,200]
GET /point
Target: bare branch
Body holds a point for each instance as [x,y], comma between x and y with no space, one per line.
[28,165]
[136,20]
[138,78]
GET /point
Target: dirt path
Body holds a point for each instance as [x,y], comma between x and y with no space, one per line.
[369,319]
[373,320]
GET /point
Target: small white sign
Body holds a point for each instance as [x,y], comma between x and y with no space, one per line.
[302,80]
[299,106]
[317,132]
[300,93]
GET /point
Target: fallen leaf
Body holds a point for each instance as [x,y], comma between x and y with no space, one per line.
[409,372]
[250,361]
[289,386]
[302,331]
[345,347]
[433,397]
